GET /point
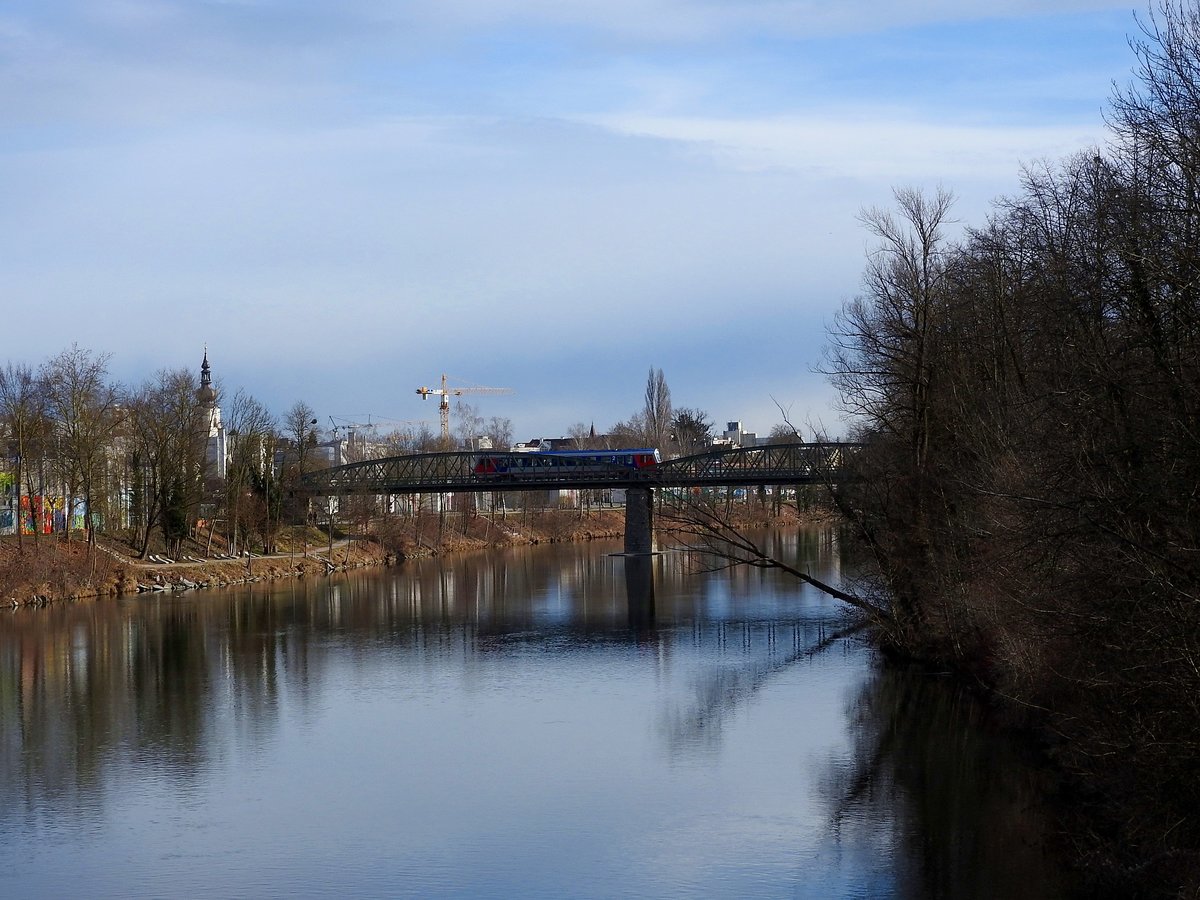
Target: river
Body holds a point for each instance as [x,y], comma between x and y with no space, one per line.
[534,722]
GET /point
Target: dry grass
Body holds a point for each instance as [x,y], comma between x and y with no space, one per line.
[53,569]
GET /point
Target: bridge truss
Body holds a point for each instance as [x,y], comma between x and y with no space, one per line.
[422,473]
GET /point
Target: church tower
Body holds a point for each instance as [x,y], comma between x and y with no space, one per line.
[216,454]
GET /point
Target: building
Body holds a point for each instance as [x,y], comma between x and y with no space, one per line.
[216,451]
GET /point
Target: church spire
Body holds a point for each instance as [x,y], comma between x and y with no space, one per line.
[206,394]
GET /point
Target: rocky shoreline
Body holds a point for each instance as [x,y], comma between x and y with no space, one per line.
[59,575]
[51,570]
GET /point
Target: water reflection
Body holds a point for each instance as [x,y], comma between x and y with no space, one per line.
[701,735]
[639,592]
[943,802]
[717,692]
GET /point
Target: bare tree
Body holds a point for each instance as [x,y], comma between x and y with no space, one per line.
[85,407]
[300,432]
[882,354]
[167,429]
[783,433]
[691,430]
[884,361]
[631,432]
[581,435]
[469,424]
[425,440]
[299,427]
[23,410]
[250,425]
[500,430]
[657,410]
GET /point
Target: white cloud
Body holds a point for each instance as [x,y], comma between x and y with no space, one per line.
[877,146]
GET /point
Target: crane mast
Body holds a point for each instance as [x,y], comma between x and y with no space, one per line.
[445,393]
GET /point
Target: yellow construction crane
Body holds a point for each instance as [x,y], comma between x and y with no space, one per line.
[446,393]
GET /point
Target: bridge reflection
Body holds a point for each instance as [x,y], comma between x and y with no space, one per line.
[639,591]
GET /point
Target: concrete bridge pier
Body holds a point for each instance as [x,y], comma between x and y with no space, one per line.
[639,520]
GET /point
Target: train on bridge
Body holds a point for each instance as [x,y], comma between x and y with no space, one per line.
[539,464]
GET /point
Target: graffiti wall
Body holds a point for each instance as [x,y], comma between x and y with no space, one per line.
[8,495]
[44,514]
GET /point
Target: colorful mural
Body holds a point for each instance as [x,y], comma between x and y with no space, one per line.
[37,514]
[8,496]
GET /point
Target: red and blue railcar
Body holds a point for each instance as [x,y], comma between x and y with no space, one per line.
[542,463]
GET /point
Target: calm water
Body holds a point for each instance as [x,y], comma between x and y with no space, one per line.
[524,724]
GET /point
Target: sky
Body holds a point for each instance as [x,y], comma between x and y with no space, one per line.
[344,199]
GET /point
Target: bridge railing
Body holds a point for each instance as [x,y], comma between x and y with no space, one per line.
[424,472]
[770,464]
[456,471]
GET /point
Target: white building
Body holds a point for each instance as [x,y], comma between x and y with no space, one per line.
[216,454]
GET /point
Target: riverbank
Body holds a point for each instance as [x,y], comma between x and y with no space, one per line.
[53,569]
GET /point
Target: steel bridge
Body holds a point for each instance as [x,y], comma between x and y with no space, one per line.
[423,473]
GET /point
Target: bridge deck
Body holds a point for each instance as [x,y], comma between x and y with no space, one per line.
[424,473]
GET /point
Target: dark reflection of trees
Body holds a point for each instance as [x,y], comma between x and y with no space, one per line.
[171,685]
[91,688]
[961,808]
[256,645]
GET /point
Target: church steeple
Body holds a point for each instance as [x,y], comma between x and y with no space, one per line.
[216,452]
[206,394]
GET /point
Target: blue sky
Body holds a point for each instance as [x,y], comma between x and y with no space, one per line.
[344,200]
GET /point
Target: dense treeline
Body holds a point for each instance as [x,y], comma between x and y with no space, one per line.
[1030,395]
[140,462]
[83,451]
